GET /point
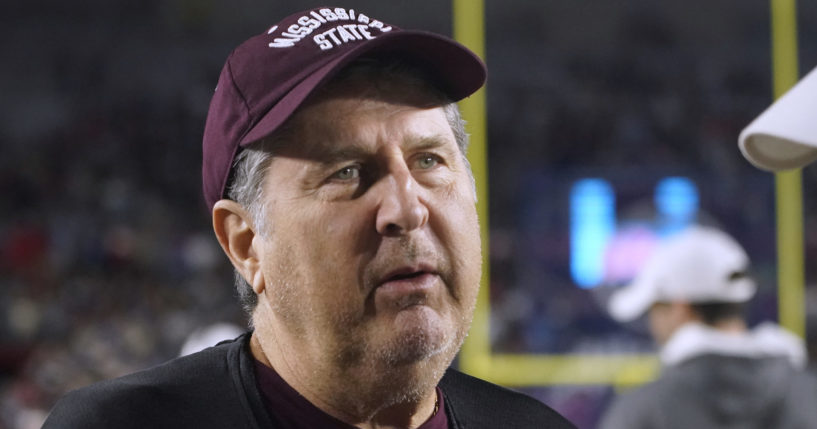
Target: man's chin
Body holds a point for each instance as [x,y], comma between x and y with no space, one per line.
[418,334]
[409,361]
[410,343]
[413,363]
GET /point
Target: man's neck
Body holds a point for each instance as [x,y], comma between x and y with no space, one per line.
[355,408]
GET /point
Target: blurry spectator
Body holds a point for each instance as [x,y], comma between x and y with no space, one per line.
[717,373]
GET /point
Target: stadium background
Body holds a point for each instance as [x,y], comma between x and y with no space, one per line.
[107,261]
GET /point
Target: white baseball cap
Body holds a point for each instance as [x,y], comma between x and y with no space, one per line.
[784,136]
[698,265]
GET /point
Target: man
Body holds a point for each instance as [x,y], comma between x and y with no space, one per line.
[717,373]
[334,166]
[785,135]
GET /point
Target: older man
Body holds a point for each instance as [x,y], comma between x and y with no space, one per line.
[335,169]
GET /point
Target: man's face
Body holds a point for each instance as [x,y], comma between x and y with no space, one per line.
[372,255]
[664,318]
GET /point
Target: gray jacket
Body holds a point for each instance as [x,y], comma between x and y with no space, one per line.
[721,390]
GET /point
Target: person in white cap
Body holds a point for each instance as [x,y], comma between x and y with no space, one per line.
[716,371]
[784,136]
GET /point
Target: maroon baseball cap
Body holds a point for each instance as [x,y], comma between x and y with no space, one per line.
[267,77]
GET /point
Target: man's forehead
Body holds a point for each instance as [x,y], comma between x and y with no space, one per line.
[353,124]
[345,112]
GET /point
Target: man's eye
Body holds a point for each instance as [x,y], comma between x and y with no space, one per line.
[427,161]
[348,173]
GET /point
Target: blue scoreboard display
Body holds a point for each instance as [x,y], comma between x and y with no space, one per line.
[573,238]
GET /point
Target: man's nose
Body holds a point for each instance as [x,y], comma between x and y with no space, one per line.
[401,208]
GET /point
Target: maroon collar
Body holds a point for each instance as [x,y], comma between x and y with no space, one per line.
[290,410]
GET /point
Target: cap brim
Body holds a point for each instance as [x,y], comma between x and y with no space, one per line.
[784,136]
[457,71]
[630,302]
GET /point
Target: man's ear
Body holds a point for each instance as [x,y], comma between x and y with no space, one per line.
[235,233]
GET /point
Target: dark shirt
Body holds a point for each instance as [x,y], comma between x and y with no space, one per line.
[290,410]
[218,388]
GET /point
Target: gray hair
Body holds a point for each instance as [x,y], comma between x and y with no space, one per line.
[251,164]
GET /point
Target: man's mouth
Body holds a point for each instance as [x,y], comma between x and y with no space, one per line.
[406,276]
[417,281]
[409,273]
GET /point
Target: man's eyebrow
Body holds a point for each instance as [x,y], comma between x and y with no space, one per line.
[431,141]
[335,153]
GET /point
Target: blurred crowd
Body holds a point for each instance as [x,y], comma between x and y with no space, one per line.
[107,259]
